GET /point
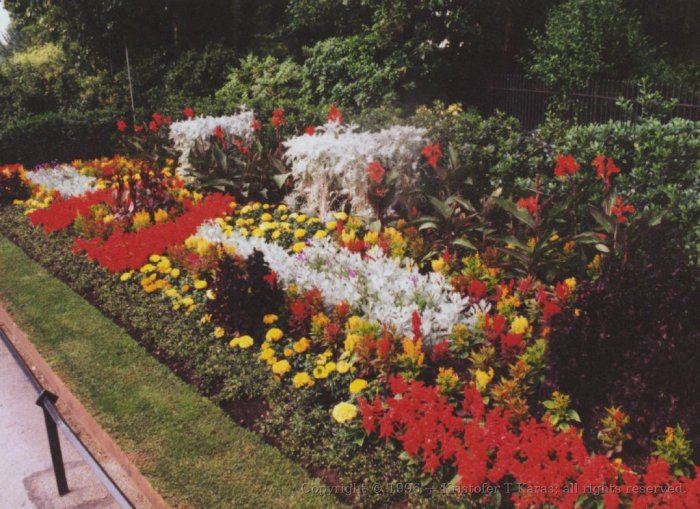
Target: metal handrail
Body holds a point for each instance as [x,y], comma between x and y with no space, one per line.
[54,421]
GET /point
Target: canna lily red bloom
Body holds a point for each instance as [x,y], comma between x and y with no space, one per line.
[219,134]
[278,118]
[138,128]
[605,168]
[566,165]
[240,145]
[153,125]
[188,113]
[310,130]
[530,204]
[121,126]
[620,208]
[255,125]
[375,172]
[432,154]
[334,115]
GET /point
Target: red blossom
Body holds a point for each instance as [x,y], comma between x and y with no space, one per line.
[620,208]
[432,154]
[335,115]
[278,118]
[188,113]
[256,125]
[530,204]
[441,351]
[476,290]
[219,134]
[153,125]
[566,165]
[375,172]
[310,130]
[138,128]
[121,126]
[605,167]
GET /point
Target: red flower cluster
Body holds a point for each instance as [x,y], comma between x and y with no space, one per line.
[278,118]
[124,251]
[605,167]
[566,165]
[62,212]
[530,204]
[158,121]
[334,115]
[620,208]
[432,154]
[486,449]
[188,113]
[256,125]
[121,126]
[375,172]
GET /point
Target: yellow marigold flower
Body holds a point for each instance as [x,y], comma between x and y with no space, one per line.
[219,332]
[330,367]
[281,367]
[342,367]
[302,345]
[147,268]
[554,237]
[266,354]
[331,225]
[320,372]
[126,276]
[187,301]
[164,266]
[245,342]
[341,216]
[570,282]
[520,325]
[205,319]
[348,236]
[266,217]
[319,320]
[200,284]
[154,258]
[175,273]
[438,265]
[274,334]
[320,234]
[483,378]
[358,385]
[171,292]
[234,342]
[344,412]
[270,319]
[350,342]
[298,247]
[302,379]
[288,352]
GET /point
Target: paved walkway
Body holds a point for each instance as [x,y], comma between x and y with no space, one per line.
[26,474]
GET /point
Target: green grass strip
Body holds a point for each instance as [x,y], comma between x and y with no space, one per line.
[192,453]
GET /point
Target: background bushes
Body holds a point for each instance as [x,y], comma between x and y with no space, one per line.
[634,344]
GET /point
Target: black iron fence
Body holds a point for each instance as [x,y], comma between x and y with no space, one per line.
[528,100]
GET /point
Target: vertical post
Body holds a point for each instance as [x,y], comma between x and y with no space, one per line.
[54,443]
[131,88]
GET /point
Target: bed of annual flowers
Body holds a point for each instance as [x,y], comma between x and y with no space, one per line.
[441,353]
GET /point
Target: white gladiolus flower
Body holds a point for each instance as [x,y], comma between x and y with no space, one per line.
[385,290]
[65,179]
[186,133]
[329,168]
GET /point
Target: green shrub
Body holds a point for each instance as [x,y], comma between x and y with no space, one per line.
[353,72]
[660,165]
[58,137]
[265,84]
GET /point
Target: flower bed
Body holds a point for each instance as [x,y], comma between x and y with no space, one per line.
[433,367]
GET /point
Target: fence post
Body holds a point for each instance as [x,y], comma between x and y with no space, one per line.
[54,442]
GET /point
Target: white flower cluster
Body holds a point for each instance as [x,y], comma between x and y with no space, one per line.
[186,133]
[385,290]
[65,179]
[329,168]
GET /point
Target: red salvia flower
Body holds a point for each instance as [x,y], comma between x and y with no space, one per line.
[310,130]
[476,289]
[255,125]
[219,134]
[188,113]
[432,154]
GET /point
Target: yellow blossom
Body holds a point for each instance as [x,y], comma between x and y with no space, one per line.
[570,282]
[320,372]
[200,284]
[342,367]
[210,294]
[331,225]
[483,378]
[175,273]
[266,354]
[269,319]
[358,385]
[344,412]
[219,332]
[320,234]
[274,334]
[126,276]
[288,352]
[302,345]
[438,265]
[302,379]
[281,367]
[298,247]
[519,325]
[160,216]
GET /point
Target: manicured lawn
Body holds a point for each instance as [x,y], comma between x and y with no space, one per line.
[186,446]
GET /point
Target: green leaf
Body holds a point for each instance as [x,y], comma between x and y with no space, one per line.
[441,207]
[604,221]
[602,248]
[281,180]
[462,242]
[521,215]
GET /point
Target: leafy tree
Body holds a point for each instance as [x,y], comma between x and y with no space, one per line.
[588,39]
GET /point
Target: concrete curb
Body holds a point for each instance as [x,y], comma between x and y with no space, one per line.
[137,488]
